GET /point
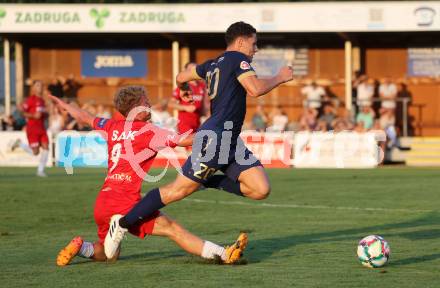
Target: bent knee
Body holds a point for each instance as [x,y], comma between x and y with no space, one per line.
[260,192]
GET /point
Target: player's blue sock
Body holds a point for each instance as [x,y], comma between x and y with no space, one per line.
[222,182]
[144,208]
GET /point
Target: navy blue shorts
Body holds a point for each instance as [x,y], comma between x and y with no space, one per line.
[212,153]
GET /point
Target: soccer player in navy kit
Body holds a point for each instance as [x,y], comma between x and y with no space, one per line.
[217,146]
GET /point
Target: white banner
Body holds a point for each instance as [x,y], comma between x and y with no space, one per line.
[311,150]
[194,18]
[274,150]
[337,150]
[19,157]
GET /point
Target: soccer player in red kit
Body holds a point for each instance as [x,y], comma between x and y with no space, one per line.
[191,105]
[132,146]
[34,110]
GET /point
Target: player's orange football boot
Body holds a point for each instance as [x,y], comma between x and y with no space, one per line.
[235,251]
[69,252]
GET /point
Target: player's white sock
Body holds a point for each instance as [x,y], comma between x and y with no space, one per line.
[86,250]
[43,160]
[26,148]
[211,249]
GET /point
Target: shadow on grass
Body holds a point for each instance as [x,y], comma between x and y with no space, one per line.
[423,234]
[265,248]
[414,260]
[153,255]
[147,256]
[262,249]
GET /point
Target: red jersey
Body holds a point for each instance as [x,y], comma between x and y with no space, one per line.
[35,104]
[192,119]
[132,147]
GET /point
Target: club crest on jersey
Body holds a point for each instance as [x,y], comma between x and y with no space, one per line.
[245,65]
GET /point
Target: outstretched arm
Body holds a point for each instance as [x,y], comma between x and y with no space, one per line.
[256,87]
[81,116]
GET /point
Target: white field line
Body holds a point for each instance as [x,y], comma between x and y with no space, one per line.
[296,206]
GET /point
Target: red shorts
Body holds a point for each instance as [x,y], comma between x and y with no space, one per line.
[36,137]
[106,207]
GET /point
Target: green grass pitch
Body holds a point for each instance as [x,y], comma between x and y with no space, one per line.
[304,235]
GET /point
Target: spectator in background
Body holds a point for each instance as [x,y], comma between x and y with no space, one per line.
[13,122]
[403,93]
[102,112]
[328,116]
[309,119]
[357,76]
[388,95]
[71,122]
[365,118]
[89,107]
[259,119]
[330,98]
[160,116]
[387,122]
[55,87]
[360,127]
[73,125]
[365,92]
[279,120]
[71,87]
[344,122]
[7,123]
[191,105]
[313,94]
[19,120]
[27,86]
[57,120]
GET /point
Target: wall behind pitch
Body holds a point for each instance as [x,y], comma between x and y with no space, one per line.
[425,108]
[323,64]
[46,64]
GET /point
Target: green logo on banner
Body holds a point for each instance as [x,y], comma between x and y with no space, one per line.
[2,14]
[99,16]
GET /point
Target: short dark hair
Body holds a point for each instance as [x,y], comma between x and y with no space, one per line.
[128,97]
[239,29]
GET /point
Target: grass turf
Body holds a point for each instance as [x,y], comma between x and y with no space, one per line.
[307,238]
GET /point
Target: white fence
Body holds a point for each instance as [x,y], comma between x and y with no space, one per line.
[278,150]
[19,157]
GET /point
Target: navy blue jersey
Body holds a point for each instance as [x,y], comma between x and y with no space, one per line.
[228,97]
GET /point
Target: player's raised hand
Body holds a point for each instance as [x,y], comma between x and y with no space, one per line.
[286,73]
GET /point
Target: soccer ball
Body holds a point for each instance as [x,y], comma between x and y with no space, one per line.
[373,251]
